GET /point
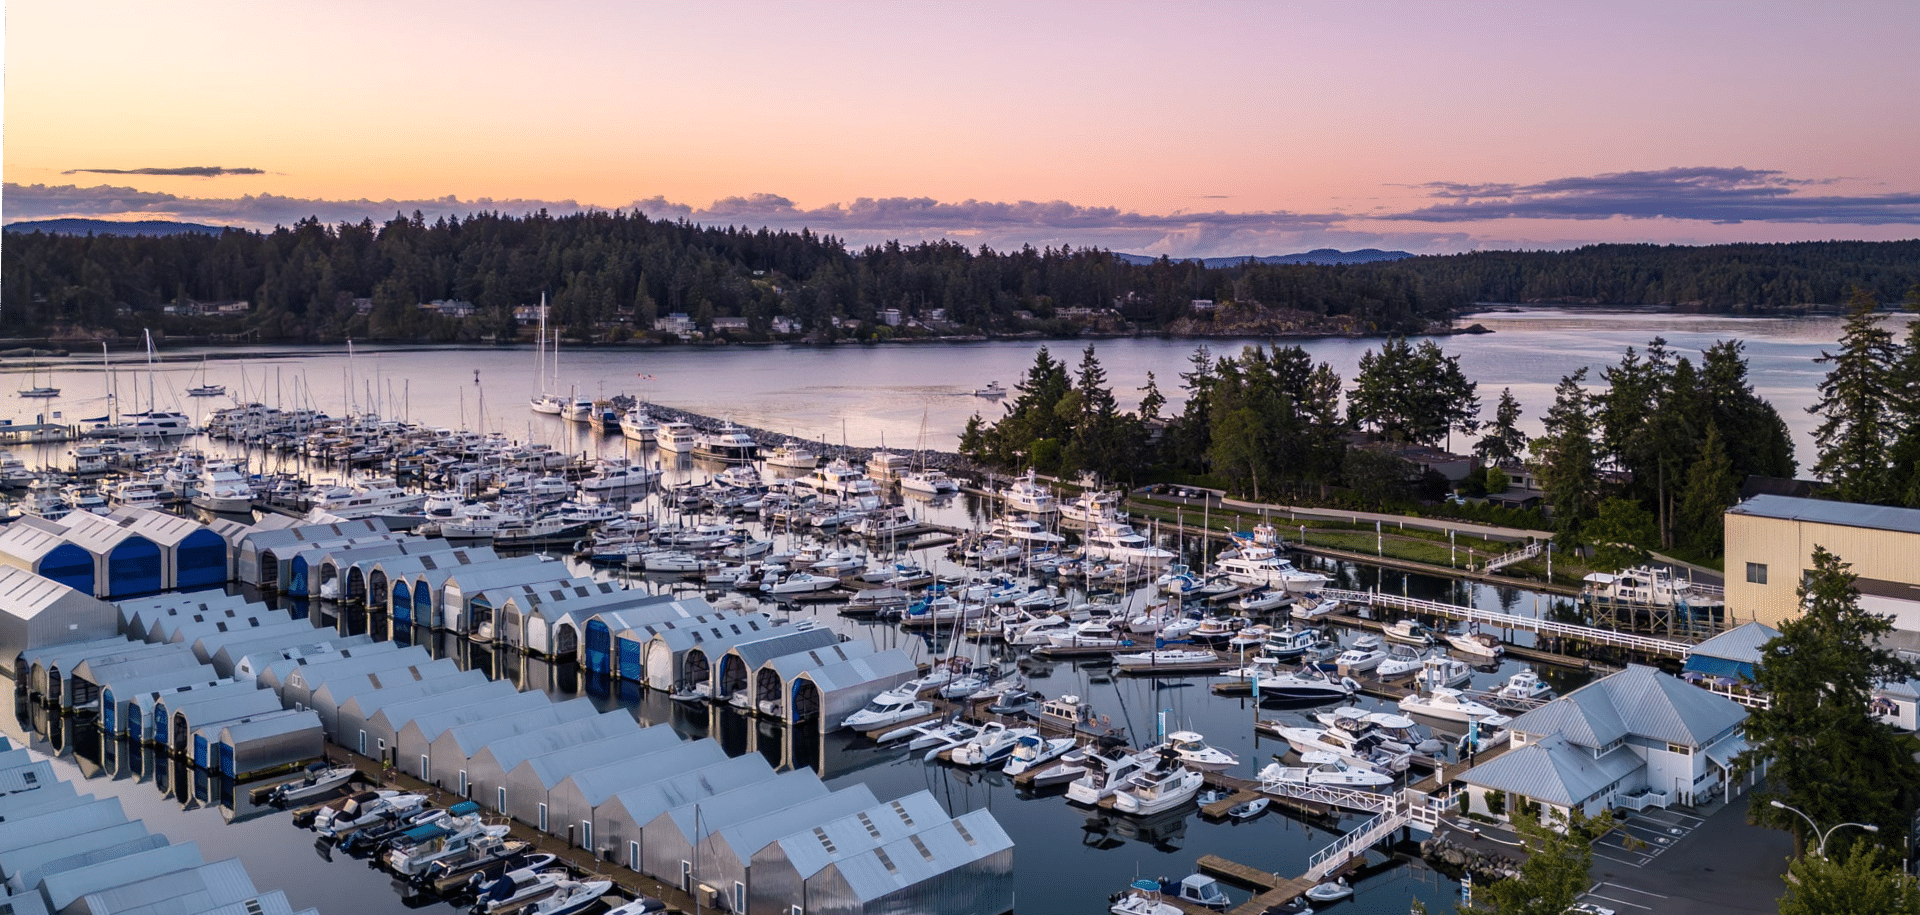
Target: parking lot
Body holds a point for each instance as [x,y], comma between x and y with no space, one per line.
[1690,862]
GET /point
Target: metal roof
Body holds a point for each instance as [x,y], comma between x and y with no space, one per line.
[596,784]
[105,669]
[404,710]
[270,903]
[401,566]
[674,789]
[271,724]
[1822,511]
[580,594]
[318,673]
[789,666]
[208,885]
[1741,643]
[729,807]
[31,876]
[29,542]
[751,835]
[897,865]
[369,703]
[64,889]
[28,803]
[510,752]
[813,848]
[26,776]
[263,540]
[461,709]
[98,534]
[519,571]
[721,635]
[1555,771]
[26,595]
[29,857]
[474,736]
[163,528]
[553,768]
[275,674]
[782,643]
[856,672]
[1638,700]
[214,709]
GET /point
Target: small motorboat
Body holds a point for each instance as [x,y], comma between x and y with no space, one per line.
[1325,769]
[1248,810]
[639,905]
[1142,902]
[1478,644]
[319,781]
[364,809]
[570,897]
[1524,685]
[692,693]
[517,888]
[1194,751]
[887,708]
[1330,891]
[994,744]
[1409,632]
[1031,751]
[1447,704]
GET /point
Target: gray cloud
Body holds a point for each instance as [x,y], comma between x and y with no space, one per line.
[187,171]
[1706,194]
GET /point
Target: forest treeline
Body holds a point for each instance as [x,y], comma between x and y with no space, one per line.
[609,275]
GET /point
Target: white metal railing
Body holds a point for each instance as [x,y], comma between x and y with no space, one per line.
[1329,859]
[1645,643]
[1331,795]
[1506,559]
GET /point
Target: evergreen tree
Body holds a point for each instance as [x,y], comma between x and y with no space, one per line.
[1858,407]
[1619,534]
[1504,442]
[1710,489]
[1903,481]
[1825,752]
[1553,873]
[1413,394]
[1566,459]
[1863,880]
[1096,437]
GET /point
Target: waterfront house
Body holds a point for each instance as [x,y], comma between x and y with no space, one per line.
[1633,739]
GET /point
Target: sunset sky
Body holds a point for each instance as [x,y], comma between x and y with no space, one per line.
[1187,129]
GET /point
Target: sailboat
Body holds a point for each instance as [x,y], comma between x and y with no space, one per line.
[547,402]
[40,390]
[204,389]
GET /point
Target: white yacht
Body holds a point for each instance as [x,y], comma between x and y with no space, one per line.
[1166,786]
[1196,754]
[1025,530]
[1646,586]
[1092,507]
[1027,495]
[677,437]
[151,424]
[637,426]
[225,488]
[85,497]
[792,457]
[375,497]
[139,492]
[1107,770]
[1478,644]
[577,410]
[13,471]
[729,443]
[840,478]
[1325,768]
[928,481]
[1117,541]
[888,708]
[886,466]
[1446,704]
[992,391]
[1524,685]
[1262,566]
[618,476]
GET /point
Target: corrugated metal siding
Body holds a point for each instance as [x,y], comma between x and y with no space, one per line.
[64,888]
[487,770]
[576,796]
[619,820]
[21,860]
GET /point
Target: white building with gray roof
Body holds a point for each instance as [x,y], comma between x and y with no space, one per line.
[1635,738]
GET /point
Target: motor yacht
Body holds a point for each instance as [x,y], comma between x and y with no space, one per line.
[1196,754]
[1092,507]
[1438,670]
[618,477]
[929,481]
[225,487]
[1024,530]
[1400,661]
[1322,768]
[839,478]
[637,426]
[1108,769]
[1446,704]
[1308,684]
[1524,685]
[729,443]
[1478,644]
[993,745]
[1359,660]
[1264,566]
[1027,495]
[1409,632]
[1167,659]
[1117,541]
[1262,600]
[1165,785]
[1031,751]
[1354,740]
[676,437]
[1290,643]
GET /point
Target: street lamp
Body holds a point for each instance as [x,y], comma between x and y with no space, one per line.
[1820,848]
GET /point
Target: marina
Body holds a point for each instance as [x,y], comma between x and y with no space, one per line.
[723,547]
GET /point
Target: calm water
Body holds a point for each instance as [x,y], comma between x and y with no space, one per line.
[872,395]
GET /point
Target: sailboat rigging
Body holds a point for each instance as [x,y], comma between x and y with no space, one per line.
[203,389]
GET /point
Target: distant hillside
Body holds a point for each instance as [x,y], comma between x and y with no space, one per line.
[1316,256]
[108,227]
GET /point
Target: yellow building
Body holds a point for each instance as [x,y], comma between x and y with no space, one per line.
[1770,543]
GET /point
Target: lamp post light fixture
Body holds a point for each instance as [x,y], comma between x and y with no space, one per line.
[1820,847]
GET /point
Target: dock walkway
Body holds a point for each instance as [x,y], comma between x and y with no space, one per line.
[1645,644]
